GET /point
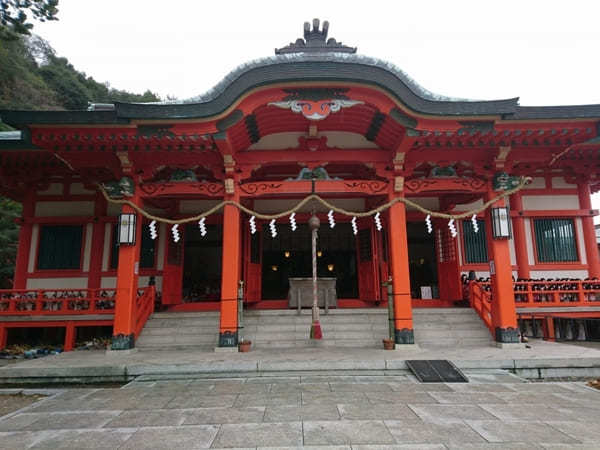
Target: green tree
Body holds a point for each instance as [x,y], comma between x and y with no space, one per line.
[9,237]
[14,19]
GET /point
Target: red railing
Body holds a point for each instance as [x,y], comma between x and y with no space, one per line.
[480,299]
[557,293]
[144,307]
[47,302]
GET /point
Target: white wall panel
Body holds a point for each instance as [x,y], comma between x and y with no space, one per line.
[559,274]
[550,202]
[78,189]
[529,242]
[87,247]
[580,240]
[536,183]
[63,209]
[560,183]
[35,237]
[57,283]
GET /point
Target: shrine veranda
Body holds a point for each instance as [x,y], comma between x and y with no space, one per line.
[314,119]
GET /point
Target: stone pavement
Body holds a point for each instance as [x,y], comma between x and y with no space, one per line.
[494,410]
[545,359]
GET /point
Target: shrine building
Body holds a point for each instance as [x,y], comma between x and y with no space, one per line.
[128,206]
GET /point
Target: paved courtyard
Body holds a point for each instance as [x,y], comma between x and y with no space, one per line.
[317,411]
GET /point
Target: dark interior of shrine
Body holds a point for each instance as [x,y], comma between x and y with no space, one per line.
[202,263]
[289,256]
[421,255]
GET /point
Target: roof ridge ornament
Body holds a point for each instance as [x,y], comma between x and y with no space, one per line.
[315,41]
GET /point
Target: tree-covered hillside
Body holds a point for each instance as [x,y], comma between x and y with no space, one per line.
[32,76]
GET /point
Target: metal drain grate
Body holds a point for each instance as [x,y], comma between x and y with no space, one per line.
[436,371]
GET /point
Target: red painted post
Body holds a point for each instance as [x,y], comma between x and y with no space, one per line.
[3,336]
[69,336]
[230,275]
[516,204]
[504,314]
[95,273]
[25,232]
[398,249]
[589,234]
[549,325]
[127,285]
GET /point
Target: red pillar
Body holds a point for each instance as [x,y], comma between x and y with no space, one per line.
[230,275]
[3,336]
[589,235]
[516,204]
[69,337]
[95,273]
[127,284]
[398,248]
[20,277]
[504,315]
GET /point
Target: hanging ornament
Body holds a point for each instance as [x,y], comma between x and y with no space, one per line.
[331,219]
[378,222]
[202,226]
[252,225]
[354,226]
[428,223]
[153,233]
[452,228]
[175,232]
[293,221]
[475,223]
[272,228]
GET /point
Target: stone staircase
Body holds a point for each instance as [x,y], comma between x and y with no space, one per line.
[450,327]
[434,327]
[180,331]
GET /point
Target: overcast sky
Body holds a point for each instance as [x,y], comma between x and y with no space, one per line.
[545,52]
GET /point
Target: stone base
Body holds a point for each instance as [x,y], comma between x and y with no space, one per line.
[228,339]
[405,336]
[129,351]
[226,349]
[409,347]
[317,343]
[507,335]
[510,345]
[123,342]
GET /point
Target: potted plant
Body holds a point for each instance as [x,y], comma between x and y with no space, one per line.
[388,344]
[244,345]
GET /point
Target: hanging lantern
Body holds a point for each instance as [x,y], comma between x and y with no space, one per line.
[127,229]
[501,228]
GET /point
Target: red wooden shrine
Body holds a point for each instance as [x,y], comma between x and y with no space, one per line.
[315,118]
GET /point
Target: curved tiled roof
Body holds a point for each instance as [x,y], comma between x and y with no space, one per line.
[315,67]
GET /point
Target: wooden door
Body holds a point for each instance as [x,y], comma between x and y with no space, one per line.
[368,290]
[173,270]
[447,259]
[252,265]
